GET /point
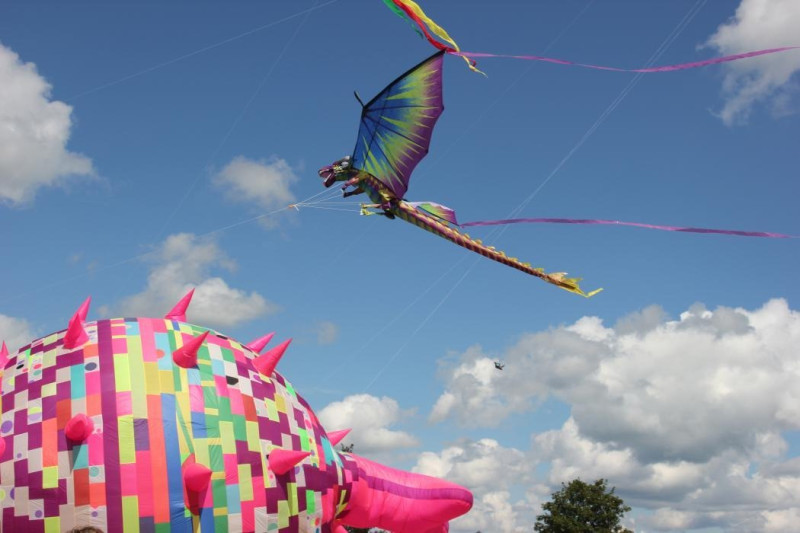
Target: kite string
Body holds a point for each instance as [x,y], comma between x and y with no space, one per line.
[665,44]
[327,195]
[238,119]
[683,229]
[647,70]
[421,324]
[199,51]
[130,259]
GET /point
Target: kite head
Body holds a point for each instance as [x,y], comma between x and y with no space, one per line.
[339,170]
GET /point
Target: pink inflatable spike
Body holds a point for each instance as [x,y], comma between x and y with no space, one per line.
[267,362]
[3,356]
[83,310]
[281,460]
[186,355]
[2,446]
[196,476]
[79,428]
[179,311]
[335,437]
[76,335]
[258,344]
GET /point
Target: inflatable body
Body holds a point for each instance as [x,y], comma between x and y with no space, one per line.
[144,424]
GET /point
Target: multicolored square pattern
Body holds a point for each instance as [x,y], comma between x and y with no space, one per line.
[149,415]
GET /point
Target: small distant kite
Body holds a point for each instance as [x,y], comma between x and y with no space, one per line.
[499,366]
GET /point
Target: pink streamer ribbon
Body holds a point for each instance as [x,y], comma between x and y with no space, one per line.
[664,68]
[636,224]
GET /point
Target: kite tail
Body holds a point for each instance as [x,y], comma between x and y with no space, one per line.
[415,14]
[408,213]
[681,229]
[400,13]
[649,70]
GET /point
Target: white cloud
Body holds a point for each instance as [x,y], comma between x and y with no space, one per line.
[643,384]
[34,131]
[263,183]
[16,332]
[184,261]
[492,511]
[327,332]
[490,471]
[759,24]
[482,465]
[369,418]
[686,417]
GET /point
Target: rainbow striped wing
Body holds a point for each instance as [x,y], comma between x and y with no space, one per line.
[396,126]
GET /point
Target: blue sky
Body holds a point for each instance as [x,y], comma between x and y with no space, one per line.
[154,147]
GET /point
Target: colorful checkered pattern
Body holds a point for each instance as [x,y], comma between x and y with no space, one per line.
[149,416]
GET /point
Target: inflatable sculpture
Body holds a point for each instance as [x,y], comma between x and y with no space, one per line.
[146,424]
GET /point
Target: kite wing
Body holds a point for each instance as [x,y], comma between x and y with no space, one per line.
[396,125]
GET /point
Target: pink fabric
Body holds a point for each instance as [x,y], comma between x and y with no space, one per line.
[79,428]
[186,355]
[402,502]
[179,311]
[635,224]
[664,68]
[281,461]
[76,335]
[196,476]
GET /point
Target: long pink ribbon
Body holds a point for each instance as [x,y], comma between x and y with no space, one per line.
[664,68]
[621,223]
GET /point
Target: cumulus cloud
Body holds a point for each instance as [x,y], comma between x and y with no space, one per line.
[759,24]
[185,261]
[644,384]
[686,417]
[16,332]
[34,131]
[492,472]
[265,184]
[483,464]
[492,511]
[540,364]
[370,419]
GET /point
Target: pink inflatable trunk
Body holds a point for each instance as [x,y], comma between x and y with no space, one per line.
[399,501]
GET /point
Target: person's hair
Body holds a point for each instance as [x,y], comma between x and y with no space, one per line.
[86,529]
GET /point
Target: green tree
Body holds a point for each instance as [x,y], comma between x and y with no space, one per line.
[583,508]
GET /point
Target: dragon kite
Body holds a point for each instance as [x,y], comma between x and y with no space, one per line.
[393,137]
